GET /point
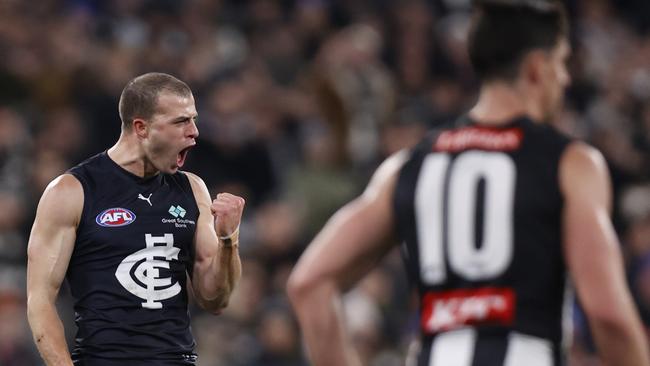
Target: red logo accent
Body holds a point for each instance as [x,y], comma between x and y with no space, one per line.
[448,310]
[484,138]
[115,217]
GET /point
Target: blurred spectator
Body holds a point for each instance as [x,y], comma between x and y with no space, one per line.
[318,185]
[15,342]
[279,337]
[15,145]
[354,91]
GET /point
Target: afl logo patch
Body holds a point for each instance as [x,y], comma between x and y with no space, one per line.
[114,217]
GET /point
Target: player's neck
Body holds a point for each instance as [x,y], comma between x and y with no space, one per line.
[128,154]
[499,103]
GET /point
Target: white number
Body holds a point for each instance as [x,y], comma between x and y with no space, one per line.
[433,206]
[429,198]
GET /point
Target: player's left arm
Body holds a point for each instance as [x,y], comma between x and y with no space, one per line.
[217,266]
[348,247]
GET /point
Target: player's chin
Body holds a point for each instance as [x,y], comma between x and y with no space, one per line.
[175,165]
[552,111]
[170,168]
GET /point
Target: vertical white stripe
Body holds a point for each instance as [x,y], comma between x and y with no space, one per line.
[453,348]
[528,350]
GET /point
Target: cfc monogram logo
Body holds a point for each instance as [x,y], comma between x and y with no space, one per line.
[139,273]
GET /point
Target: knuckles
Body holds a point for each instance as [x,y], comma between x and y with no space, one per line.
[228,201]
[227,204]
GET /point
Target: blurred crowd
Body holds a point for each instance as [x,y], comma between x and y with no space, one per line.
[298,102]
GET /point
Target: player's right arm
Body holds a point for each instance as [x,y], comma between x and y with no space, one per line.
[594,259]
[50,247]
[348,247]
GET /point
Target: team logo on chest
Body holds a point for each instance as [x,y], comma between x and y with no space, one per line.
[114,217]
[139,273]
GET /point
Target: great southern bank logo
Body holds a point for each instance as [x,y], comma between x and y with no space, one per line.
[114,217]
[177,211]
[179,219]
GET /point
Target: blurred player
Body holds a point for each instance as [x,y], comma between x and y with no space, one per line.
[493,210]
[127,229]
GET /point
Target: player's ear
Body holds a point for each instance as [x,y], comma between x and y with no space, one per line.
[140,127]
[533,66]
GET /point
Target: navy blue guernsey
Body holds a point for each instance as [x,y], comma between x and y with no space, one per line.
[479,210]
[129,268]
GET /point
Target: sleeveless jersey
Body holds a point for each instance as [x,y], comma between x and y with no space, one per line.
[128,271]
[479,211]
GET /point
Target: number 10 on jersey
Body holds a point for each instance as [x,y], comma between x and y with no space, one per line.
[445,210]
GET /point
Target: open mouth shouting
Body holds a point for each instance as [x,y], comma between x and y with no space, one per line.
[182,155]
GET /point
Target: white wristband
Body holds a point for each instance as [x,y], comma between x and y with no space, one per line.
[230,240]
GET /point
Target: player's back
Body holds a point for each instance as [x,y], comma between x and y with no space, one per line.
[479,209]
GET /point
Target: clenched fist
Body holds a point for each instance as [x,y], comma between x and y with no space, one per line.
[227,210]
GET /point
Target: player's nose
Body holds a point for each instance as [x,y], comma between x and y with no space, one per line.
[564,77]
[193,130]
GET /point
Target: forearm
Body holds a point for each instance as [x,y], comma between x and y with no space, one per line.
[620,344]
[320,313]
[218,279]
[48,333]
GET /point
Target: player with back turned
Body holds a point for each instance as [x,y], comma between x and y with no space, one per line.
[496,211]
[130,232]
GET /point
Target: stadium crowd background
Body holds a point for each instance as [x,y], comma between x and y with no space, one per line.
[298,101]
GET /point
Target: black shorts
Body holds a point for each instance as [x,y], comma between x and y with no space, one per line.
[90,361]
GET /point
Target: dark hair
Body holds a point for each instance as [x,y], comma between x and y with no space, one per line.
[140,95]
[504,31]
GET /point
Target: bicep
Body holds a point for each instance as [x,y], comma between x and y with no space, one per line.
[350,244]
[53,235]
[591,247]
[205,237]
[357,236]
[592,254]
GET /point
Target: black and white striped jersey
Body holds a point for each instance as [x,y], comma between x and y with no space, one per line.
[479,211]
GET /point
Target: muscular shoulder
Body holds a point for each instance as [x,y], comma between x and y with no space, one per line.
[386,175]
[64,187]
[62,200]
[579,154]
[199,189]
[583,172]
